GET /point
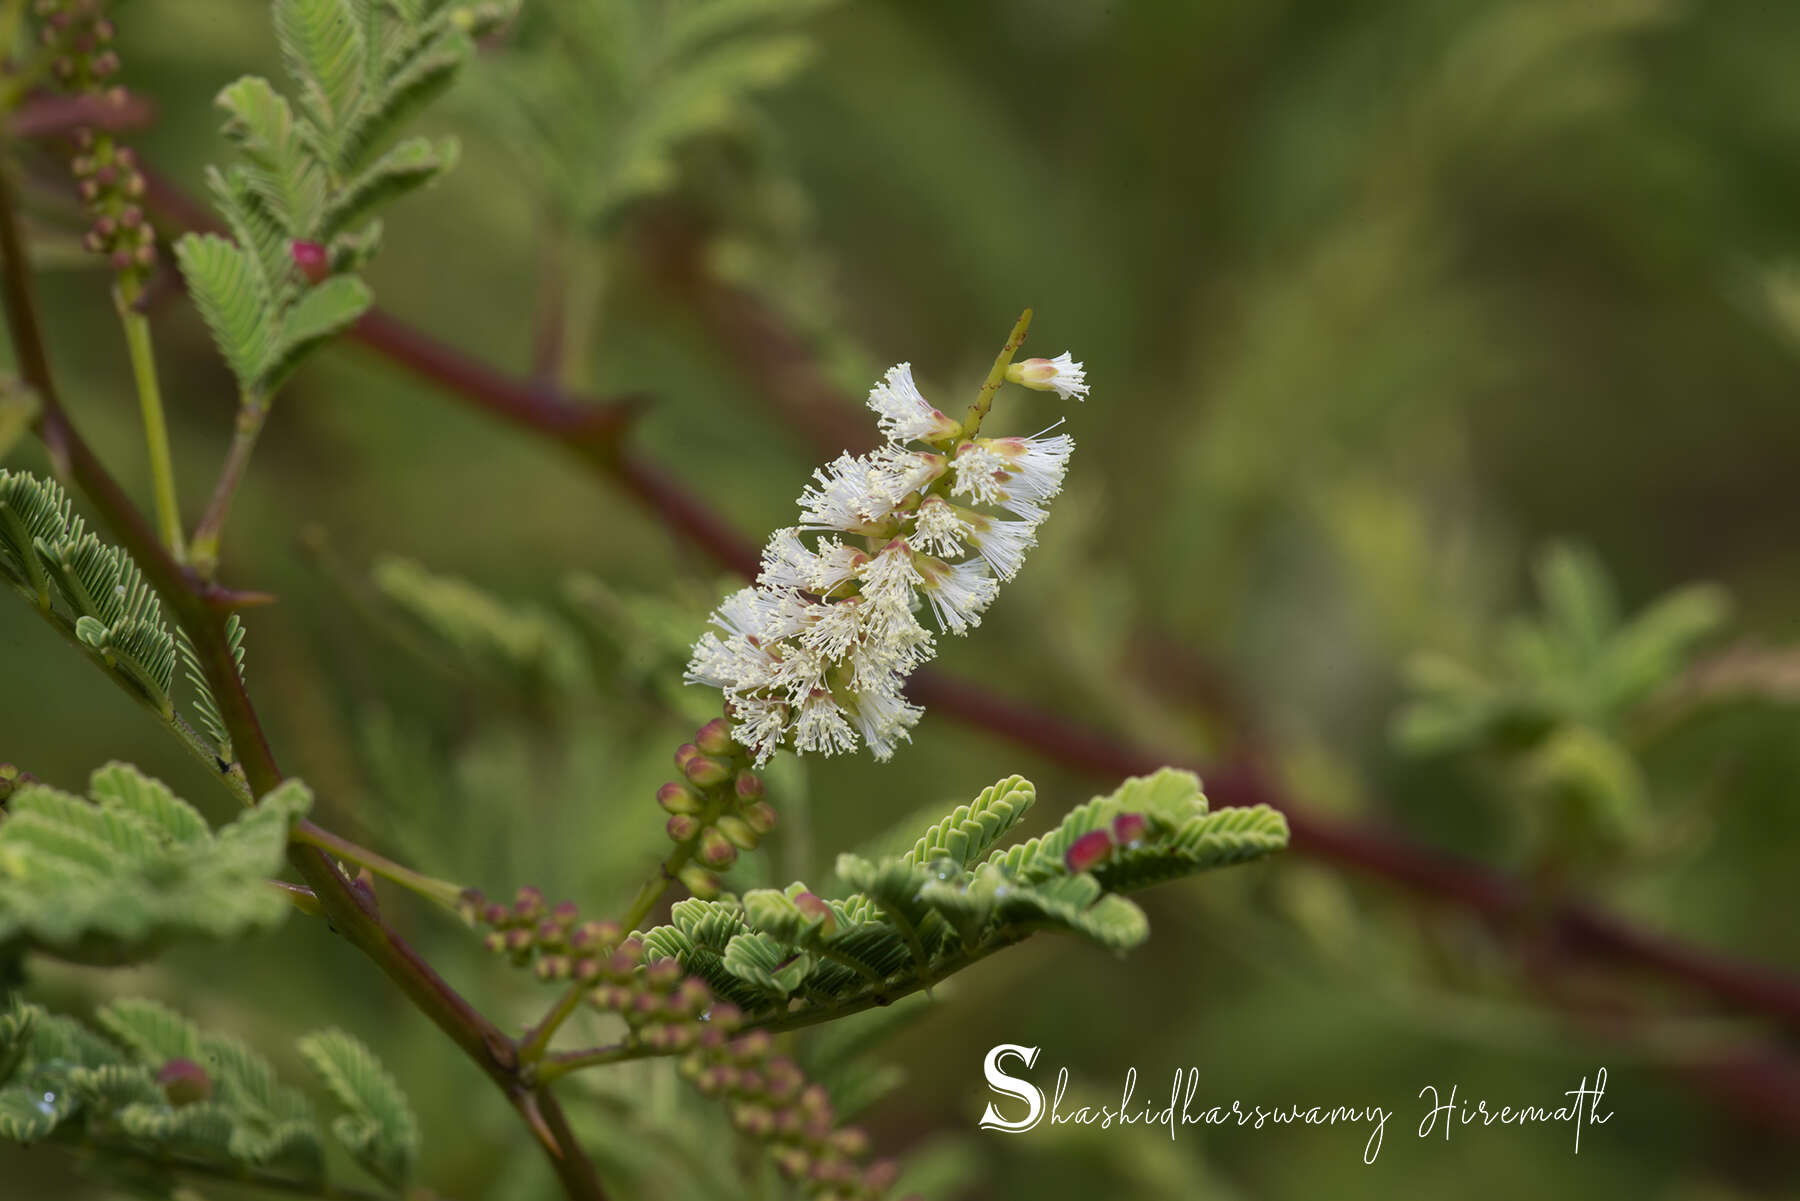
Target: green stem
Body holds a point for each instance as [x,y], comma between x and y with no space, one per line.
[253,412]
[156,430]
[441,892]
[984,399]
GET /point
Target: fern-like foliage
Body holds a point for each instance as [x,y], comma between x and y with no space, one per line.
[119,876]
[97,593]
[94,590]
[169,1099]
[311,173]
[603,97]
[914,919]
[206,706]
[378,1126]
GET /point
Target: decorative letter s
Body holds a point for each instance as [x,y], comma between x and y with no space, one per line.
[1011,1086]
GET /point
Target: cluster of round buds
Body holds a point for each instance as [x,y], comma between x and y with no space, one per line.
[12,779]
[1097,846]
[771,1100]
[112,187]
[716,809]
[552,939]
[665,1008]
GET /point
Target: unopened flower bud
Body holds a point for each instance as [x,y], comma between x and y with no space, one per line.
[817,912]
[612,997]
[1088,851]
[678,798]
[496,914]
[700,882]
[528,905]
[551,937]
[705,771]
[748,785]
[1128,828]
[793,1162]
[738,832]
[682,827]
[715,737]
[752,1047]
[470,905]
[725,1016]
[850,1141]
[683,753]
[184,1082]
[494,940]
[759,816]
[590,938]
[716,850]
[311,259]
[554,967]
[587,970]
[518,942]
[692,996]
[880,1176]
[663,975]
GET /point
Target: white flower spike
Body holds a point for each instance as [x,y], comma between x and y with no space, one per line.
[815,656]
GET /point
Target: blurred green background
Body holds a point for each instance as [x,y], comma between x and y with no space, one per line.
[1376,301]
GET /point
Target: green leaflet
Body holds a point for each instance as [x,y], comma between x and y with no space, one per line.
[378,1127]
[117,877]
[61,1081]
[915,919]
[970,830]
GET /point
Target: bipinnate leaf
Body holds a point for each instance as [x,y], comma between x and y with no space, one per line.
[915,919]
[117,877]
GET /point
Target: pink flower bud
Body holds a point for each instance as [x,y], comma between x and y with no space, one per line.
[739,833]
[678,798]
[759,816]
[716,850]
[1128,828]
[715,737]
[184,1082]
[312,260]
[706,772]
[1088,851]
[682,827]
[683,753]
[749,785]
[816,912]
[701,883]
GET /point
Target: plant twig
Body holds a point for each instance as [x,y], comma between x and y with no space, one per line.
[252,414]
[156,428]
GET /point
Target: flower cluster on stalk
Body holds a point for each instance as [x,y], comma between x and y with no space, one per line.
[111,185]
[816,653]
